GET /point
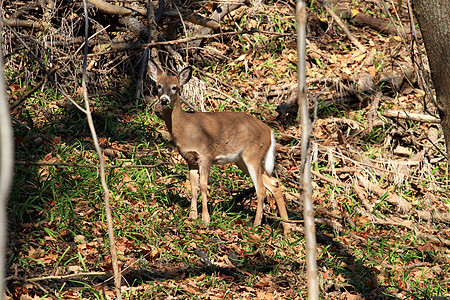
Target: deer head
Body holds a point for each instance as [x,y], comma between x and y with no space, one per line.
[169,86]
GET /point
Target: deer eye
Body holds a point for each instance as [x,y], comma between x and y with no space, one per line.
[174,88]
[159,86]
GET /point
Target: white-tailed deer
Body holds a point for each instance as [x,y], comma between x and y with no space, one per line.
[207,138]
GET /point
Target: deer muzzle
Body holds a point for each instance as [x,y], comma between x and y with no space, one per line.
[165,100]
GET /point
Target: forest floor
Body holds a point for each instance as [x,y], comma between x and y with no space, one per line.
[379,166]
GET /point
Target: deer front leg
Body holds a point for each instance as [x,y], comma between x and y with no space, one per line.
[204,167]
[193,177]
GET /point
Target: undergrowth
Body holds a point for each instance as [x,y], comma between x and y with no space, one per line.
[368,248]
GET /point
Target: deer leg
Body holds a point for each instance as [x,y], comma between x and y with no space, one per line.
[273,185]
[255,171]
[261,195]
[193,177]
[204,167]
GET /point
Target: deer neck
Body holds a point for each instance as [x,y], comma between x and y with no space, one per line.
[169,112]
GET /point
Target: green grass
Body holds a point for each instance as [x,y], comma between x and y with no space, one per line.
[56,216]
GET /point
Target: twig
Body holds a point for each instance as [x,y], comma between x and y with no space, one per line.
[330,180]
[344,27]
[64,164]
[410,266]
[117,276]
[44,290]
[59,277]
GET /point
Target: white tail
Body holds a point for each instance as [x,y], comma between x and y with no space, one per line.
[207,138]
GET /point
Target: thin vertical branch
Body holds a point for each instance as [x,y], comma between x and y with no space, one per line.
[152,35]
[117,277]
[6,169]
[305,182]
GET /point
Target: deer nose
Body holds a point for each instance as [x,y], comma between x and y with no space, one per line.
[164,99]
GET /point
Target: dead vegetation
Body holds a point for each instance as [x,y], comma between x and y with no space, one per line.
[379,163]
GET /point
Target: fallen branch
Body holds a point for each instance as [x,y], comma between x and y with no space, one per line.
[433,216]
[401,203]
[112,9]
[343,26]
[119,47]
[64,164]
[383,26]
[361,195]
[59,277]
[193,18]
[330,180]
[23,23]
[418,233]
[411,116]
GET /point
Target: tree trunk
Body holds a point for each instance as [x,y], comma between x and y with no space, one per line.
[434,20]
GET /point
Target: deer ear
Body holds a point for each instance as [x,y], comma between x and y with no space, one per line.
[153,70]
[185,75]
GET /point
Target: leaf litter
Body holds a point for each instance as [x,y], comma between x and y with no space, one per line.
[382,205]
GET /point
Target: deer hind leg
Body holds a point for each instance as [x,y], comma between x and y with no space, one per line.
[193,177]
[274,185]
[204,167]
[254,170]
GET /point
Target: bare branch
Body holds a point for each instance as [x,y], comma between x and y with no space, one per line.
[305,169]
[117,276]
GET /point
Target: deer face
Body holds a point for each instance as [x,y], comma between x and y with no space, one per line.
[168,86]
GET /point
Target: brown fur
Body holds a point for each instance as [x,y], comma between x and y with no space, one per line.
[207,138]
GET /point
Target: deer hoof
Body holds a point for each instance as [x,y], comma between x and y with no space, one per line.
[205,218]
[287,229]
[193,215]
